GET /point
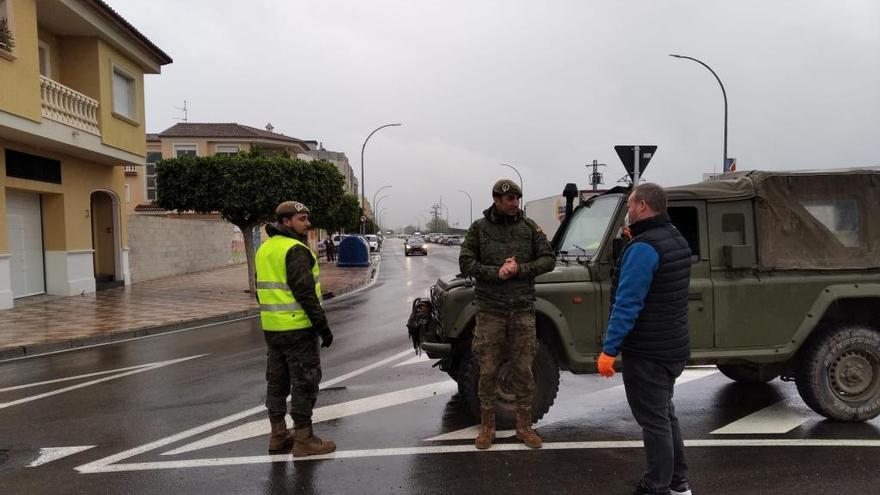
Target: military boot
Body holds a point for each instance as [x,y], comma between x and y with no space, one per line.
[306,443]
[524,429]
[487,428]
[280,440]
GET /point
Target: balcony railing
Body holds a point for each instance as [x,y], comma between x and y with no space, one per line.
[70,107]
[130,170]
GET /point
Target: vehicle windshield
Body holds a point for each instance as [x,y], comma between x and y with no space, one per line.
[588,226]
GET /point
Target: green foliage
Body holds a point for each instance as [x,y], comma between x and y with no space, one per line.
[345,215]
[7,40]
[246,188]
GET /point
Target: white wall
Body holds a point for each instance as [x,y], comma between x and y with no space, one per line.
[162,246]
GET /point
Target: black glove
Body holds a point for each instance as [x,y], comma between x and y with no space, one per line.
[326,336]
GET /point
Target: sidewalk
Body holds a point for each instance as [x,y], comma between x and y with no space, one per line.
[49,323]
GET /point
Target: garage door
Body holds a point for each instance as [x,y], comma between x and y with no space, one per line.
[25,243]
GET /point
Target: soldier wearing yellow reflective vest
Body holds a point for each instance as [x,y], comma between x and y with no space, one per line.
[289,293]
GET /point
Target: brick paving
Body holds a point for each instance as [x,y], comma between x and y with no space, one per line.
[45,323]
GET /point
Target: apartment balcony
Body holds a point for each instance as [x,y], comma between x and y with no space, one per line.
[68,106]
[130,170]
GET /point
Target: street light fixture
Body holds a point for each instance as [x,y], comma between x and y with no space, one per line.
[472,203]
[723,93]
[376,194]
[517,174]
[376,207]
[380,214]
[363,181]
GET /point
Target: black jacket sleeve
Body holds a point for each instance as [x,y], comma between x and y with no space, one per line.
[299,263]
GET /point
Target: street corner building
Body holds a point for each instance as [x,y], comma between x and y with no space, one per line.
[71,126]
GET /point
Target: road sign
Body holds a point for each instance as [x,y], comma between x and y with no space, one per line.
[627,156]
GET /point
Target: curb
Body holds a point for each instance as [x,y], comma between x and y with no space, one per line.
[20,352]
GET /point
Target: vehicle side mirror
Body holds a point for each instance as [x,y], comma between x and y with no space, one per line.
[617,245]
[739,257]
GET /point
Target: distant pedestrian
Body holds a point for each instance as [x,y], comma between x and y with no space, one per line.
[330,249]
[649,327]
[289,293]
[504,251]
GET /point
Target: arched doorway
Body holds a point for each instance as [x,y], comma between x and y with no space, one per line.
[105,239]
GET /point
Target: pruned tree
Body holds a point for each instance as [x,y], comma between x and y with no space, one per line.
[245,189]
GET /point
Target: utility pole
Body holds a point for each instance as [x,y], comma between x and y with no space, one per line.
[184,112]
[595,176]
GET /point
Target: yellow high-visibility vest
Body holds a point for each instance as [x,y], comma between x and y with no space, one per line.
[279,310]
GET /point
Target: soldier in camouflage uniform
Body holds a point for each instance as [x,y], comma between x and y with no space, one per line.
[504,251]
[289,293]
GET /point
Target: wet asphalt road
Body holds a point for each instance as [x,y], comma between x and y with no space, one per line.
[180,413]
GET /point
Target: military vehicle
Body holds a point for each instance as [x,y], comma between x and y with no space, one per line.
[785,282]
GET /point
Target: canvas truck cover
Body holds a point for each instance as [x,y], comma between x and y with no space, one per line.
[820,220]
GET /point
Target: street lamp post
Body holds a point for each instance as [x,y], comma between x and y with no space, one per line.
[380,214]
[723,93]
[363,181]
[375,207]
[520,183]
[517,173]
[472,204]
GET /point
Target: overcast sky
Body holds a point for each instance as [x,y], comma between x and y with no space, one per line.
[544,86]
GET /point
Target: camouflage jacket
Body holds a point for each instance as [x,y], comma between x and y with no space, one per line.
[494,238]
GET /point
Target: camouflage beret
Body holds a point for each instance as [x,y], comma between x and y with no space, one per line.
[288,207]
[506,186]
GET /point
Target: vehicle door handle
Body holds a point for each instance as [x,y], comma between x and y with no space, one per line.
[695,296]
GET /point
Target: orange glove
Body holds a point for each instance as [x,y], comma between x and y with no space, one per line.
[606,365]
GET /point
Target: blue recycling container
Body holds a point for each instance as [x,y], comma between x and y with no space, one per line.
[353,251]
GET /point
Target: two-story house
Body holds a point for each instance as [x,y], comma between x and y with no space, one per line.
[71,118]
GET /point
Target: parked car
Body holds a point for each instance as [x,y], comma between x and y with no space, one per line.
[373,241]
[453,240]
[415,245]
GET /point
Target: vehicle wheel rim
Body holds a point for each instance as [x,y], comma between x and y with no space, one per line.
[505,384]
[855,375]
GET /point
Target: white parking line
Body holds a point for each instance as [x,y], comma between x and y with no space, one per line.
[149,367]
[451,449]
[50,454]
[97,466]
[326,413]
[776,419]
[69,378]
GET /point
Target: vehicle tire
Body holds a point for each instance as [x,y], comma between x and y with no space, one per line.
[838,373]
[406,253]
[747,372]
[546,374]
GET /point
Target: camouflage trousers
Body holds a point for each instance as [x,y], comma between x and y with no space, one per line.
[499,338]
[293,368]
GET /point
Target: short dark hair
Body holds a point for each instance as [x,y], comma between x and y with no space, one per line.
[653,195]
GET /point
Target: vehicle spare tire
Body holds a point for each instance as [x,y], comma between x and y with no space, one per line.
[747,372]
[545,372]
[838,372]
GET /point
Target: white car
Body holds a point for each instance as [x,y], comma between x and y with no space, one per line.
[373,241]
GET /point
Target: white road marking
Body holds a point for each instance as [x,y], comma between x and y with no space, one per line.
[326,413]
[148,367]
[98,465]
[779,418]
[451,449]
[49,454]
[575,407]
[69,378]
[421,358]
[469,433]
